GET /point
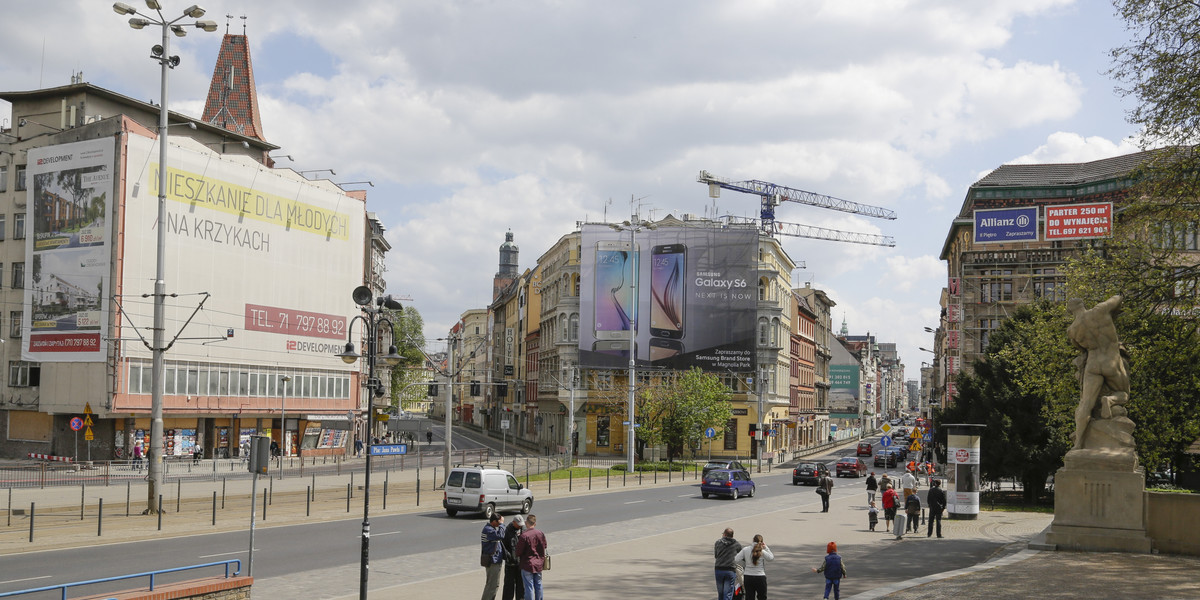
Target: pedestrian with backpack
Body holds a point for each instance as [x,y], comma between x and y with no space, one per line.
[834,570]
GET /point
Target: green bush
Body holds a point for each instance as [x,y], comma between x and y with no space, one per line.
[656,466]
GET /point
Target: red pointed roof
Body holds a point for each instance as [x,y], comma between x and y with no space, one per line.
[232,100]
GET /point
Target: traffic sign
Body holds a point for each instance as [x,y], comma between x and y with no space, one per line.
[915,447]
[886,428]
[87,408]
[388,449]
[885,441]
[87,420]
[928,437]
[88,435]
[504,424]
[710,433]
[76,423]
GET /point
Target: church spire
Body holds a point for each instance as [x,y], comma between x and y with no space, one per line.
[232,100]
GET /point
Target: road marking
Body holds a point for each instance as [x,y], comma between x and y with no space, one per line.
[26,579]
[636,502]
[223,554]
[686,496]
[570,510]
[385,533]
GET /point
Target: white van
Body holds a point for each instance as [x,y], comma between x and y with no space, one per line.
[486,490]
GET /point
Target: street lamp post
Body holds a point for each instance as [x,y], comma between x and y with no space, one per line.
[161,53]
[633,225]
[372,319]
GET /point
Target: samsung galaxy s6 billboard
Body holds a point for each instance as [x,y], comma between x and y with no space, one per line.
[682,296]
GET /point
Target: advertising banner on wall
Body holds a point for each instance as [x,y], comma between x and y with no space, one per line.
[1079,221]
[690,293]
[67,254]
[844,377]
[1006,225]
[278,255]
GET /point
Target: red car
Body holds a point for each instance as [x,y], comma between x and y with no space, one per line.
[851,466]
[864,449]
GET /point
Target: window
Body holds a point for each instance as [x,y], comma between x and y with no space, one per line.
[573,328]
[986,327]
[1046,286]
[3,179]
[2,219]
[602,424]
[19,226]
[731,434]
[14,324]
[764,332]
[18,275]
[24,374]
[20,178]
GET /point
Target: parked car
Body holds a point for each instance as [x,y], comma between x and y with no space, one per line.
[864,449]
[851,466]
[727,482]
[885,457]
[486,490]
[808,473]
[723,464]
[900,451]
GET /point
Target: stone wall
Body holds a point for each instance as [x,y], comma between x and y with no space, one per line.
[1173,522]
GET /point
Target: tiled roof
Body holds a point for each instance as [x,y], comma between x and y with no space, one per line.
[1065,173]
[232,100]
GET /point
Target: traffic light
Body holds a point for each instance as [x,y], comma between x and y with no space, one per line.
[502,389]
[753,429]
[474,388]
[432,389]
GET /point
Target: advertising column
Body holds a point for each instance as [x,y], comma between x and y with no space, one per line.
[962,454]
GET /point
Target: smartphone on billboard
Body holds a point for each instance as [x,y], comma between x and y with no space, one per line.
[663,348]
[616,278]
[612,347]
[666,288]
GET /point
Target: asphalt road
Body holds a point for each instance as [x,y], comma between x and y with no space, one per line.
[321,560]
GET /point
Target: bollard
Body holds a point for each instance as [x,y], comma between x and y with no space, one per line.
[669,470]
[347,497]
[100,518]
[222,493]
[178,493]
[160,512]
[9,507]
[264,504]
[351,488]
[624,476]
[127,488]
[32,505]
[308,502]
[549,478]
[214,511]
[81,494]
[418,491]
[655,475]
[570,481]
[314,484]
[385,485]
[271,497]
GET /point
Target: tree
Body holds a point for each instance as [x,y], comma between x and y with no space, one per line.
[1024,390]
[677,412]
[408,333]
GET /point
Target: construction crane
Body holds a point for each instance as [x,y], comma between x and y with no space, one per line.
[773,194]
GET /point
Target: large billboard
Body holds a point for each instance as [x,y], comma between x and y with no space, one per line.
[278,255]
[1079,221]
[67,285]
[1006,225]
[685,295]
[844,377]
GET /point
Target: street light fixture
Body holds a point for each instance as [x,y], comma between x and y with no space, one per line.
[633,225]
[161,53]
[372,319]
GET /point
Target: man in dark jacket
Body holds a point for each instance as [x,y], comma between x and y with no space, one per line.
[724,551]
[912,508]
[825,489]
[936,498]
[492,558]
[513,586]
[872,486]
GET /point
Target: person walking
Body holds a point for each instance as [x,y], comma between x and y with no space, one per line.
[513,587]
[872,516]
[872,486]
[912,508]
[753,560]
[834,568]
[936,498]
[725,552]
[889,506]
[825,489]
[531,552]
[492,555]
[137,456]
[885,481]
[908,483]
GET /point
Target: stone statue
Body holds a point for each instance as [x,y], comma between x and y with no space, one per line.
[1103,432]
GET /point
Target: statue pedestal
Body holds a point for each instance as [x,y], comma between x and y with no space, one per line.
[1099,509]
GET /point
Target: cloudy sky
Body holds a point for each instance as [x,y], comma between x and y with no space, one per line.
[475,117]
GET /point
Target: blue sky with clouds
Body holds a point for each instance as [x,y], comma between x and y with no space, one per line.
[474,117]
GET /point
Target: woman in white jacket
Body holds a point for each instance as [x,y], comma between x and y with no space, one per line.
[753,560]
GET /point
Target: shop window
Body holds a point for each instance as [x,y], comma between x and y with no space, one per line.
[602,431]
[731,434]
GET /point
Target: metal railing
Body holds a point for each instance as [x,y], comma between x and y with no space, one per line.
[63,587]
